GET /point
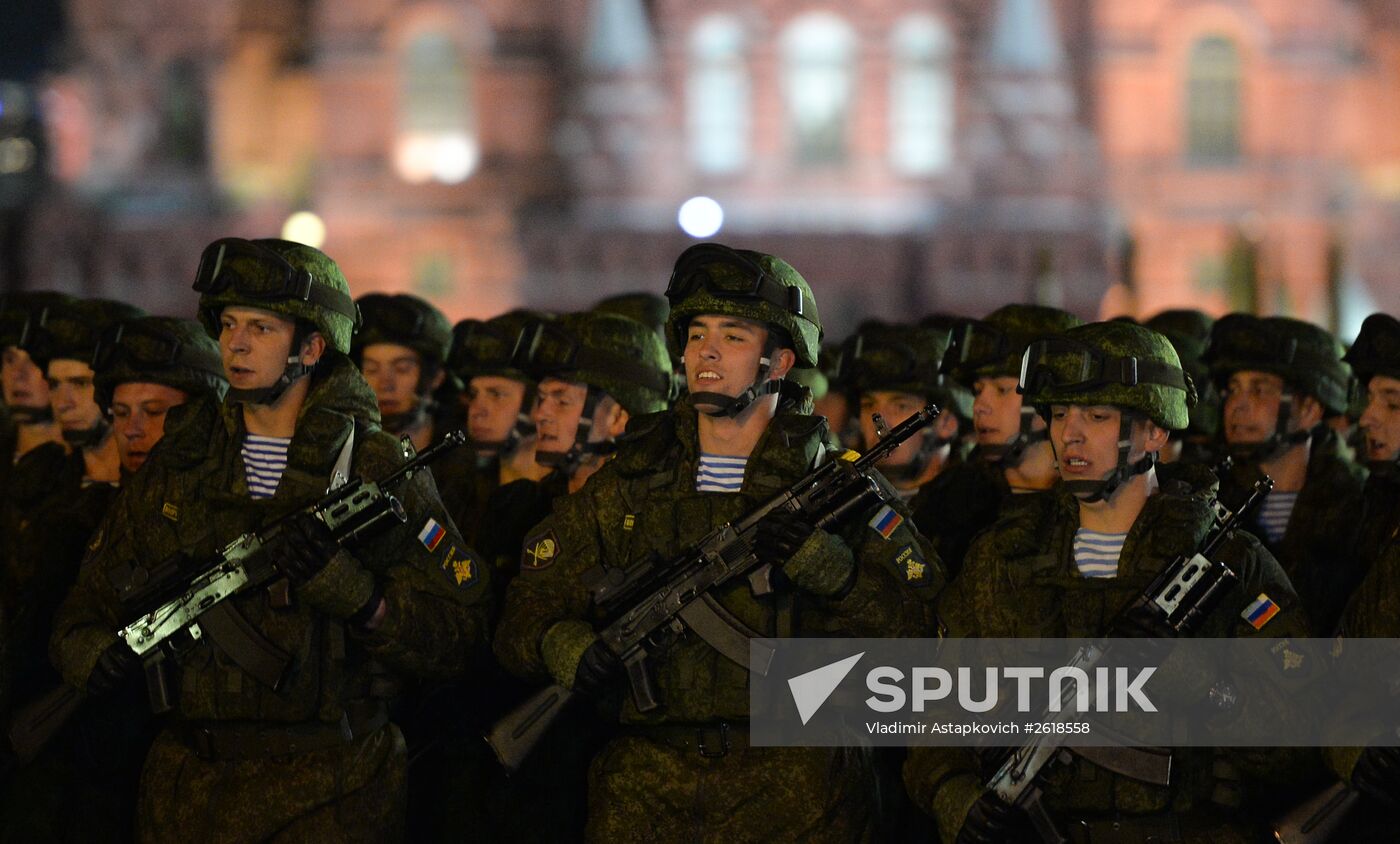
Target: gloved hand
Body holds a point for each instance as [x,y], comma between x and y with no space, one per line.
[779,535]
[596,670]
[991,820]
[1377,774]
[115,664]
[303,548]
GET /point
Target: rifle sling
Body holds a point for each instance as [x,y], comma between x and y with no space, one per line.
[226,627]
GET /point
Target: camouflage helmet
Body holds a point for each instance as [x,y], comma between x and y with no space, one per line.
[21,312]
[291,279]
[1306,357]
[70,330]
[1112,363]
[906,359]
[710,278]
[487,347]
[647,308]
[811,378]
[1377,348]
[404,320]
[617,355]
[1189,333]
[158,350]
[993,347]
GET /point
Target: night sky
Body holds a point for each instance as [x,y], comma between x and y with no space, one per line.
[29,30]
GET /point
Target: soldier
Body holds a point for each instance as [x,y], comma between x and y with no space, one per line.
[1279,378]
[83,785]
[281,731]
[836,405]
[1189,333]
[1013,457]
[1065,567]
[26,392]
[401,348]
[894,371]
[742,320]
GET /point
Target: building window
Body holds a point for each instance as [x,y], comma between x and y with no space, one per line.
[437,119]
[1213,102]
[717,96]
[182,116]
[818,55]
[921,97]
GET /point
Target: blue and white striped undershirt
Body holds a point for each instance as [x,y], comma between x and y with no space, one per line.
[264,461]
[717,473]
[1096,554]
[1275,512]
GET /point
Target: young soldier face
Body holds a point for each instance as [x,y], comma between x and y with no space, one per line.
[558,409]
[1251,406]
[393,372]
[722,353]
[23,381]
[1381,419]
[493,407]
[71,395]
[996,410]
[895,407]
[254,345]
[138,418]
[1085,438]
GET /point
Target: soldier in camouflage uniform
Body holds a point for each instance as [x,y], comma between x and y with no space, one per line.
[1026,578]
[280,733]
[1012,458]
[1279,378]
[1189,333]
[401,348]
[28,416]
[83,786]
[686,771]
[893,370]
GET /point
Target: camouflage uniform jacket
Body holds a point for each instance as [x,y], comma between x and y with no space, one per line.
[644,502]
[191,498]
[1316,551]
[1020,581]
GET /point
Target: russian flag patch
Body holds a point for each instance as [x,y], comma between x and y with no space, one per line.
[886,521]
[1259,612]
[431,535]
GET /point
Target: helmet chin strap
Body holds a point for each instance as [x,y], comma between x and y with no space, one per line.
[1103,489]
[569,461]
[928,447]
[1277,443]
[293,371]
[524,427]
[87,437]
[731,406]
[1009,455]
[23,415]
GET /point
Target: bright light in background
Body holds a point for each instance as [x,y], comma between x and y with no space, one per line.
[700,216]
[305,227]
[16,155]
[446,157]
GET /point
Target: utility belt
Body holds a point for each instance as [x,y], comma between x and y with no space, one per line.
[711,739]
[226,740]
[1161,828]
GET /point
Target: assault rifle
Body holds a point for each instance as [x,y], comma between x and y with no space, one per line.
[179,601]
[1180,597]
[651,604]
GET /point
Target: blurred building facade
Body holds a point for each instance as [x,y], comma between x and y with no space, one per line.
[906,155]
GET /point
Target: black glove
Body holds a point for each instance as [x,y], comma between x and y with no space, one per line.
[596,670]
[991,820]
[1377,774]
[303,547]
[114,665]
[779,535]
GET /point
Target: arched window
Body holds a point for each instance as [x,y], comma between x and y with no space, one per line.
[818,51]
[921,97]
[437,118]
[717,96]
[1213,102]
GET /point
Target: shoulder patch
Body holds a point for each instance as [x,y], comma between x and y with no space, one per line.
[910,566]
[431,534]
[886,521]
[461,565]
[539,552]
[1260,612]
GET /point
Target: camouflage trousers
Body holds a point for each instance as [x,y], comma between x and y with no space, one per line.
[644,789]
[355,792]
